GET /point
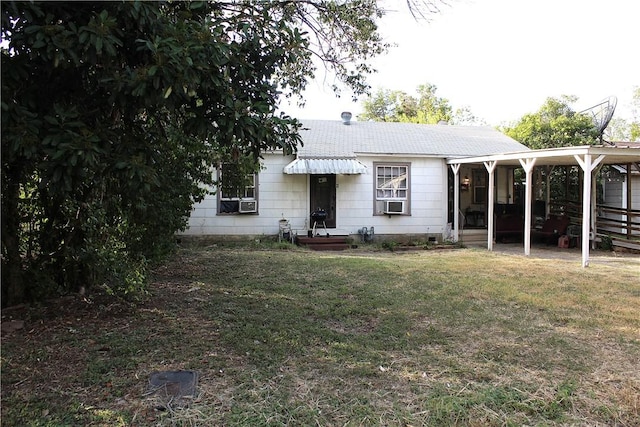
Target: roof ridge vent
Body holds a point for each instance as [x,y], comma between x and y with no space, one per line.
[346,117]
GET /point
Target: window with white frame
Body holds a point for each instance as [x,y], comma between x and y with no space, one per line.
[392,193]
[237,192]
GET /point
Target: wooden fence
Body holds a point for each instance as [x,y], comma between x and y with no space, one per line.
[620,225]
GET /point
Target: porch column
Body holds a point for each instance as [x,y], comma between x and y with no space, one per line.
[587,166]
[629,197]
[547,190]
[627,201]
[491,167]
[527,165]
[456,200]
[594,198]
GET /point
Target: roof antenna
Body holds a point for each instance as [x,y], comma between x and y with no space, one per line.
[601,115]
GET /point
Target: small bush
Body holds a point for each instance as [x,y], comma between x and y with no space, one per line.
[389,245]
[606,243]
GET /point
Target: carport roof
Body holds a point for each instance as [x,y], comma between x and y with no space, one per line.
[617,155]
[587,157]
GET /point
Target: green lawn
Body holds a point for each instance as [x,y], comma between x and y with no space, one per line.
[293,337]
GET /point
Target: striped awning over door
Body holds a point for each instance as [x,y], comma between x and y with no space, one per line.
[348,166]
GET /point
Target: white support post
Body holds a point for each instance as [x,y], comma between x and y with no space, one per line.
[491,167]
[626,201]
[587,166]
[593,213]
[456,201]
[527,165]
[547,189]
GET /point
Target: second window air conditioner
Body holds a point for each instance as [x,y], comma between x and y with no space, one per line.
[393,207]
[248,206]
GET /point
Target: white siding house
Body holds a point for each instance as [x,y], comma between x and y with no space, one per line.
[616,191]
[352,171]
[621,190]
[623,184]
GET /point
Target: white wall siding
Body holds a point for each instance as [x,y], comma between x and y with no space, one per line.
[615,193]
[635,192]
[277,194]
[281,195]
[355,199]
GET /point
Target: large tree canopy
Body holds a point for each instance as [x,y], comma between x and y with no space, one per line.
[115,113]
[555,124]
[387,105]
[621,129]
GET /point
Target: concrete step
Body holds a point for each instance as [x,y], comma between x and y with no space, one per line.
[473,237]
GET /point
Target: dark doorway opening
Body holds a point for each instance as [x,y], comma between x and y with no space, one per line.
[323,196]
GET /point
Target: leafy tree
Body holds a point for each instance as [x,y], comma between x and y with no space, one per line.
[621,129]
[555,124]
[634,126]
[115,113]
[431,108]
[389,106]
[428,108]
[464,116]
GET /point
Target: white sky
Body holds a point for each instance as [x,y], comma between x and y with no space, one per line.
[502,58]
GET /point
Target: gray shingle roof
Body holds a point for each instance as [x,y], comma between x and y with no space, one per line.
[333,139]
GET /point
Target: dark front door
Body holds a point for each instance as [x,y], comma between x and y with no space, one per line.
[323,196]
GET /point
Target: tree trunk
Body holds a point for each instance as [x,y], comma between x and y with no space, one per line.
[13,291]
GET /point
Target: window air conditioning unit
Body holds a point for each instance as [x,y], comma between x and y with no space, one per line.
[393,207]
[248,206]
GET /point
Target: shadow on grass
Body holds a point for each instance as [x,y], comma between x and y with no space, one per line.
[300,338]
